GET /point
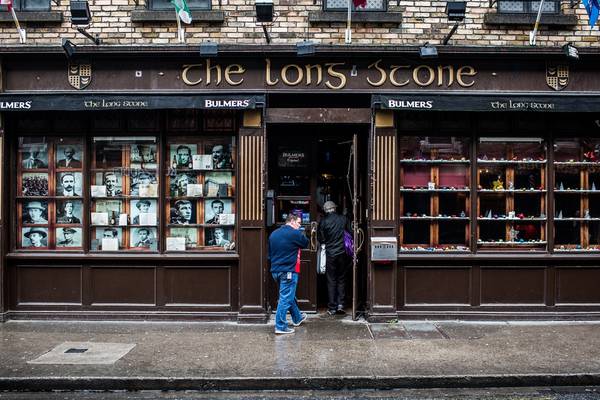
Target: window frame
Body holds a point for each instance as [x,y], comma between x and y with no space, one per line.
[384,8]
[18,5]
[151,6]
[528,7]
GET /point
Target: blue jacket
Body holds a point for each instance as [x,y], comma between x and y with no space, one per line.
[284,243]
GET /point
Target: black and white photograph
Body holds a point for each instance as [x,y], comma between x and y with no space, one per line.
[34,237]
[34,156]
[141,182]
[179,184]
[143,238]
[143,155]
[180,155]
[69,156]
[215,207]
[68,237]
[218,237]
[190,235]
[69,212]
[108,155]
[221,155]
[69,184]
[34,184]
[183,212]
[112,180]
[107,233]
[217,184]
[35,212]
[143,211]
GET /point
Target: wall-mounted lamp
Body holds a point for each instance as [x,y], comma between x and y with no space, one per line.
[209,49]
[264,10]
[69,48]
[305,48]
[428,51]
[456,11]
[571,51]
[81,18]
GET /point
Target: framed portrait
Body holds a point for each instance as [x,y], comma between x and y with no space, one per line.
[34,155]
[182,212]
[69,156]
[178,185]
[221,155]
[143,155]
[180,155]
[143,238]
[215,207]
[69,212]
[69,184]
[217,184]
[35,212]
[104,238]
[69,237]
[220,237]
[112,180]
[190,235]
[142,182]
[34,184]
[143,212]
[32,238]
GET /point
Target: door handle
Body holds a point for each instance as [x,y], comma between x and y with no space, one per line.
[313,236]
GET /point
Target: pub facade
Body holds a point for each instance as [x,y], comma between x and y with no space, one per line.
[142,182]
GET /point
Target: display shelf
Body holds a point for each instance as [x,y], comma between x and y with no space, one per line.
[576,219]
[425,190]
[512,219]
[577,163]
[425,161]
[510,162]
[444,249]
[576,249]
[429,218]
[511,243]
[577,191]
[517,191]
[178,170]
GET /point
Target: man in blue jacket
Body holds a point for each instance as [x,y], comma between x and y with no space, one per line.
[284,246]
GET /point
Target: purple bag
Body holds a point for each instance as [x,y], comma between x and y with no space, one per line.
[348,244]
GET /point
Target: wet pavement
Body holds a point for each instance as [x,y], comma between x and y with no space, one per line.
[323,353]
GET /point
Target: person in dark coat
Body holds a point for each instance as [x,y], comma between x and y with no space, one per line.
[331,234]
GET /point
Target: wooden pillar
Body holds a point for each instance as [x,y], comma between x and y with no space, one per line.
[251,242]
[383,277]
[3,193]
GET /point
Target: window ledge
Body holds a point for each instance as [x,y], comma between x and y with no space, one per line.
[164,16]
[33,16]
[381,17]
[555,20]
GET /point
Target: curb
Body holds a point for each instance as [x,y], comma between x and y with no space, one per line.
[293,383]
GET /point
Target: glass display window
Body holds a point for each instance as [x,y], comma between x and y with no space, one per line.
[50,188]
[201,210]
[124,180]
[434,193]
[511,193]
[576,194]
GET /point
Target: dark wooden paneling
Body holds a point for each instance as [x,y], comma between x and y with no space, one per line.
[252,294]
[197,286]
[513,285]
[122,285]
[437,285]
[53,284]
[319,115]
[577,285]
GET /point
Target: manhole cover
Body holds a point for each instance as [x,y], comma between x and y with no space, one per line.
[84,353]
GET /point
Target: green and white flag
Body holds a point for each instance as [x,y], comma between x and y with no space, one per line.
[183,12]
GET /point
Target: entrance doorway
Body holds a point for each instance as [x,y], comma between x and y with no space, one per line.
[307,166]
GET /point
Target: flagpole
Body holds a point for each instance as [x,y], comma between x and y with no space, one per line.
[533,33]
[348,38]
[22,37]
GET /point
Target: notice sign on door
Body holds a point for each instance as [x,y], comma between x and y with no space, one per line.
[289,157]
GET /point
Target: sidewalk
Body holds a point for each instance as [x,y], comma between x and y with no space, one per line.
[324,353]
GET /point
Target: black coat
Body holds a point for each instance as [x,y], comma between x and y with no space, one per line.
[331,233]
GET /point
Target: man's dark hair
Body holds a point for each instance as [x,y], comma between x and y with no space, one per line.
[291,217]
[217,202]
[182,147]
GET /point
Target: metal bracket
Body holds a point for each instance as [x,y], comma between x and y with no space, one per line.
[95,39]
[492,2]
[57,2]
[574,3]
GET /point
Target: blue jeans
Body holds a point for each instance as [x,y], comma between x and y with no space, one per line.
[287,299]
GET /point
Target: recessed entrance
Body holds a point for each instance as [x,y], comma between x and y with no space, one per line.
[307,166]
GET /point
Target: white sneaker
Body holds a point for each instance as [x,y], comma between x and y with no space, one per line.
[284,332]
[304,318]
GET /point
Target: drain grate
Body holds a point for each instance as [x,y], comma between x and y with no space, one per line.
[72,350]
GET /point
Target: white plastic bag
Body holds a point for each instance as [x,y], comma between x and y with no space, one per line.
[321,260]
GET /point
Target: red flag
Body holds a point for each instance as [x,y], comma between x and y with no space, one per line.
[7,3]
[360,3]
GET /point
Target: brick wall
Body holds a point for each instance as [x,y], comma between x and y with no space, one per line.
[421,21]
